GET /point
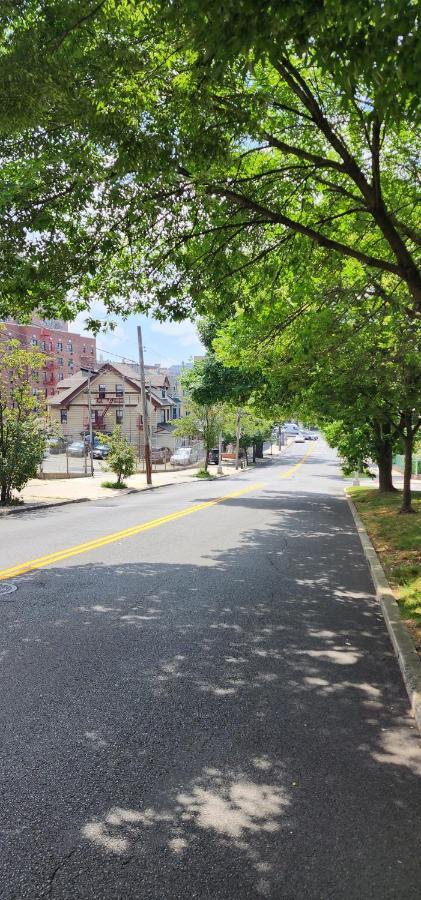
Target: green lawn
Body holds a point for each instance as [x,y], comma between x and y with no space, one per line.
[397,540]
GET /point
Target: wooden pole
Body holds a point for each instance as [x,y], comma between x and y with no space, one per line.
[144,409]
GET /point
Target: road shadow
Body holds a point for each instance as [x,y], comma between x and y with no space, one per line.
[235,728]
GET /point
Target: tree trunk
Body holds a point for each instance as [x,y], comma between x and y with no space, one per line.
[383,451]
[408,440]
[384,462]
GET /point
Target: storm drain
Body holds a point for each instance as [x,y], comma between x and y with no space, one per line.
[7,588]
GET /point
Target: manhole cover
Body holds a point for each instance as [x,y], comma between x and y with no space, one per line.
[7,588]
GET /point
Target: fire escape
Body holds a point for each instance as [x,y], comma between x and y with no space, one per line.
[50,365]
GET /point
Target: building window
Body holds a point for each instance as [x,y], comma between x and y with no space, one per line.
[174,413]
[84,349]
[34,342]
[92,351]
[63,416]
[60,361]
[162,415]
[119,416]
[60,376]
[59,345]
[119,390]
[70,364]
[70,346]
[163,392]
[101,391]
[43,345]
[168,414]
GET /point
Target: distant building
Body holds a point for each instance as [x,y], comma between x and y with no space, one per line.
[116,399]
[66,353]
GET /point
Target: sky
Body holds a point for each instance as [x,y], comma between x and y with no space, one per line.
[166,343]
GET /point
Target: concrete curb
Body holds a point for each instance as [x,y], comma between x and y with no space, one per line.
[408,659]
[4,513]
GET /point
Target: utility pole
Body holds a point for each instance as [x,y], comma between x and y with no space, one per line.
[91,442]
[237,442]
[220,454]
[91,447]
[144,409]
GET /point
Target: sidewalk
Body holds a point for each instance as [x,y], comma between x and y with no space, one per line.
[86,488]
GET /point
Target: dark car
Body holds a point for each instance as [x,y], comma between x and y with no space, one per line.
[213,456]
[100,451]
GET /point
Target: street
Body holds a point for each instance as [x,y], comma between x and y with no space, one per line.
[200,698]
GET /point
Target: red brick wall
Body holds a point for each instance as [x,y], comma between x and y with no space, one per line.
[60,361]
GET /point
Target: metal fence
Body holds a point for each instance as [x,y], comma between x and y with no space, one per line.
[71,459]
[399,462]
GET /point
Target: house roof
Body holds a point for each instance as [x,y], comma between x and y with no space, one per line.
[75,384]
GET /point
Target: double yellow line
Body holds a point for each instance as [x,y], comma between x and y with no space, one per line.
[41,561]
[297,465]
[87,546]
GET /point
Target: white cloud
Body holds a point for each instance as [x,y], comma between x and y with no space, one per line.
[183,332]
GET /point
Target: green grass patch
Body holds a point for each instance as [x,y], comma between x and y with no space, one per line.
[202,473]
[397,540]
[116,485]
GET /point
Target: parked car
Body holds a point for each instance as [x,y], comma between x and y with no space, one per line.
[213,456]
[307,436]
[77,448]
[100,451]
[300,439]
[161,454]
[184,456]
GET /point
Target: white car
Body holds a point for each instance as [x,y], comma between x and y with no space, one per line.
[300,439]
[184,456]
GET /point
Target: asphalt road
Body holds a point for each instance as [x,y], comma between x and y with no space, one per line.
[208,707]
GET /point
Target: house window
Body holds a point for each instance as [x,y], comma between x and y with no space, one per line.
[163,392]
[162,415]
[63,416]
[60,361]
[174,413]
[168,414]
[101,391]
[119,416]
[59,345]
[119,390]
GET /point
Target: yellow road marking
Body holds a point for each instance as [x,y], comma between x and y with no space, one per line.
[298,464]
[86,547]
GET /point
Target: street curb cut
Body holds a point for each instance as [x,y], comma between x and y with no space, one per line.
[4,514]
[409,662]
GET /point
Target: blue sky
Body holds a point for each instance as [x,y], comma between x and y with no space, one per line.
[166,343]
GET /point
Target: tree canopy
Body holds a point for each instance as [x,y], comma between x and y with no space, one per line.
[177,156]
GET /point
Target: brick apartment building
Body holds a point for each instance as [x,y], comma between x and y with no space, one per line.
[65,352]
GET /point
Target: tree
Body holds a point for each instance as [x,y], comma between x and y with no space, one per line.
[255,429]
[121,458]
[22,428]
[337,365]
[212,162]
[202,421]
